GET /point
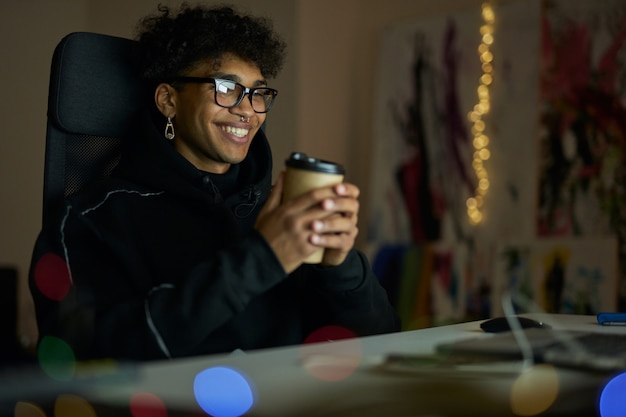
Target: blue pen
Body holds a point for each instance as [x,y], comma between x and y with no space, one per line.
[608,319]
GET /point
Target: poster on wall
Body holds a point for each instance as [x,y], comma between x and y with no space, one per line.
[557,275]
[582,180]
[428,82]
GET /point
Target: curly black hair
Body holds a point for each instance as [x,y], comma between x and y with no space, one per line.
[172,42]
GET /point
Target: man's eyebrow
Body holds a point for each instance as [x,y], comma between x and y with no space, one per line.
[236,78]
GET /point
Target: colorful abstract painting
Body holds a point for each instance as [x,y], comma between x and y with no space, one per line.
[553,275]
[582,184]
[557,129]
[437,267]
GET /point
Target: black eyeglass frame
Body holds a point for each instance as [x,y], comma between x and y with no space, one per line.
[245,90]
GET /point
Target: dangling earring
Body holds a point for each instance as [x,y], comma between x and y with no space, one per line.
[169,129]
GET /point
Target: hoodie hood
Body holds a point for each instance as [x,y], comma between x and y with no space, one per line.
[150,160]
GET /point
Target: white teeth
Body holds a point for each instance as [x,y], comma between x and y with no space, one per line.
[237,131]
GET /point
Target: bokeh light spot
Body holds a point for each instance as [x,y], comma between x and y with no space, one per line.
[146,404]
[223,392]
[52,276]
[331,361]
[534,390]
[329,333]
[612,399]
[56,358]
[26,409]
[68,405]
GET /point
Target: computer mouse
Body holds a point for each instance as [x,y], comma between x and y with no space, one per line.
[501,324]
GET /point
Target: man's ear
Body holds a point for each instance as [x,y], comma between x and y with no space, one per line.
[165,99]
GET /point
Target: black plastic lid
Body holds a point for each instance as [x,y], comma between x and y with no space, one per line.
[300,160]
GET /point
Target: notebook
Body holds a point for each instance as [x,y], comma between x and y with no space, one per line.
[582,350]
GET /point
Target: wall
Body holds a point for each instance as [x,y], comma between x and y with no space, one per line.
[27,38]
[324,107]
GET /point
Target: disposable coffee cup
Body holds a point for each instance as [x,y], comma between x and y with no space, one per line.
[303,174]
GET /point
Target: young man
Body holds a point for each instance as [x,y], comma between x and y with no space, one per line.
[187,249]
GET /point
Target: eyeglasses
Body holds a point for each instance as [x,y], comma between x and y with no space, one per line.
[229,93]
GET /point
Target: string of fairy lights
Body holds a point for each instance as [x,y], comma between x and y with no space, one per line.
[481,109]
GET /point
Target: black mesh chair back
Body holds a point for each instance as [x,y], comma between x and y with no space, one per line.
[95,92]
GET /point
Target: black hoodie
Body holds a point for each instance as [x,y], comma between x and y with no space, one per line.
[163,261]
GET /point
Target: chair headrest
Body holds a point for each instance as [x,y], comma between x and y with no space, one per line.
[95,85]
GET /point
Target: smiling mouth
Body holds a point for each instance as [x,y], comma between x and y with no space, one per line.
[236,131]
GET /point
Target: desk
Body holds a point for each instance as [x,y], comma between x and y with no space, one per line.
[286,381]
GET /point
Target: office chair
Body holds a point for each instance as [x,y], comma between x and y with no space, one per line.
[95,92]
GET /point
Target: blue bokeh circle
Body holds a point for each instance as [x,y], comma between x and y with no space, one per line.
[223,392]
[613,399]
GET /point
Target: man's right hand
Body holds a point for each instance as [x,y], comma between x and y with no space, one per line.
[287,227]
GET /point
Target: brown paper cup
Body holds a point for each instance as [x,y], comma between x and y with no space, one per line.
[299,181]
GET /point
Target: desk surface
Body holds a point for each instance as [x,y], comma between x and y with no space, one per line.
[344,378]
